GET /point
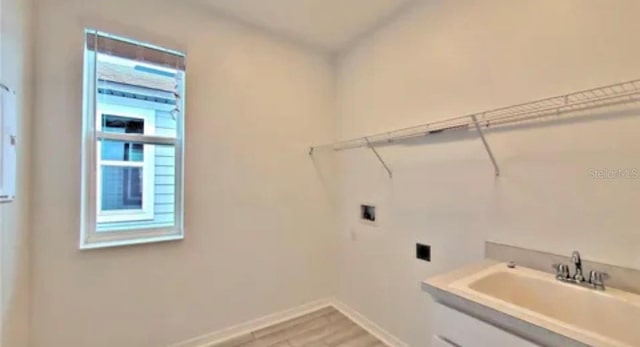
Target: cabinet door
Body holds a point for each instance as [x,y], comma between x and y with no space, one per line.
[466,331]
[439,342]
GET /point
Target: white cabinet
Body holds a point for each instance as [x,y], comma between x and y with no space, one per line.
[454,328]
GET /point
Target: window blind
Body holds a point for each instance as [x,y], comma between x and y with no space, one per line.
[128,49]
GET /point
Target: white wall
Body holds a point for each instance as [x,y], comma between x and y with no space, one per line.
[258,222]
[449,58]
[15,72]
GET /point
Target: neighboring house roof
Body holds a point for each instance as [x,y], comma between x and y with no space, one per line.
[126,75]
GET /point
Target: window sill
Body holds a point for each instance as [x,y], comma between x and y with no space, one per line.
[87,245]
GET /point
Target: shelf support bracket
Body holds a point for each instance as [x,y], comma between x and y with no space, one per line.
[373,149]
[486,144]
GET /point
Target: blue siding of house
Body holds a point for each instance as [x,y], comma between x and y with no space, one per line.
[165,170]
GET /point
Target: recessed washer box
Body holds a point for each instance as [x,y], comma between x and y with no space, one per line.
[423,252]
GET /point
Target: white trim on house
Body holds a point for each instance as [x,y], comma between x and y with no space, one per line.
[135,138]
[147,165]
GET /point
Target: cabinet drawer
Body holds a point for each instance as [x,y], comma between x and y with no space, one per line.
[465,331]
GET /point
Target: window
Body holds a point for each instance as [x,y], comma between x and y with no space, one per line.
[125,171]
[133,142]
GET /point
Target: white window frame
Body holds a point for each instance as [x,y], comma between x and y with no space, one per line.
[8,142]
[90,237]
[147,165]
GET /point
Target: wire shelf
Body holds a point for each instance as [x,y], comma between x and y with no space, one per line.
[615,94]
[539,110]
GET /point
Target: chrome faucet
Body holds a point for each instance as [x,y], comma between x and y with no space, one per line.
[563,273]
[577,262]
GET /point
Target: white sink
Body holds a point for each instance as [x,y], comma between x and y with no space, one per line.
[597,318]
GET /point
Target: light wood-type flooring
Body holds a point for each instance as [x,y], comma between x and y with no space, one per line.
[323,328]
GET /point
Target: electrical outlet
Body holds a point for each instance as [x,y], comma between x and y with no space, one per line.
[423,252]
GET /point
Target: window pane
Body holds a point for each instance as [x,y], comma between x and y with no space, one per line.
[122,125]
[121,188]
[121,151]
[139,197]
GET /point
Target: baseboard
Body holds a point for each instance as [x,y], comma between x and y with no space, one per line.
[248,327]
[373,328]
[237,331]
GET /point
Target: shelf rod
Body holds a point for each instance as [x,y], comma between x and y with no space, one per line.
[373,149]
[486,144]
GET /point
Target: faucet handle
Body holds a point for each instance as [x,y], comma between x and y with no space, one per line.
[562,271]
[596,279]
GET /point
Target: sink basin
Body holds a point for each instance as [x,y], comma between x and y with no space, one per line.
[596,318]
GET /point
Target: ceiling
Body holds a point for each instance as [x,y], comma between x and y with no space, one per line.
[330,25]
